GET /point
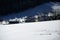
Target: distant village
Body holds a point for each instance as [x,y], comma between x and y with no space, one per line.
[54,14]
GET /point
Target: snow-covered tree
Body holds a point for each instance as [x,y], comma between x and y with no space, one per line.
[36,18]
[56,9]
[50,14]
[5,22]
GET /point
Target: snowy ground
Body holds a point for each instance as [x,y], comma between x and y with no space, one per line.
[48,30]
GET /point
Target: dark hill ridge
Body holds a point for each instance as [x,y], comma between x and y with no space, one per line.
[44,8]
[15,6]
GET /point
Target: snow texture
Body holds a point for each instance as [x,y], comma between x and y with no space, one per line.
[48,30]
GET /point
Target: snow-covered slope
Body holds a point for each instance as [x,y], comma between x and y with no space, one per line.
[33,11]
[48,30]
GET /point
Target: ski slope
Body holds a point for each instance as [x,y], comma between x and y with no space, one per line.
[48,30]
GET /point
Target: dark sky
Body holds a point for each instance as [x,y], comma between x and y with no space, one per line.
[15,6]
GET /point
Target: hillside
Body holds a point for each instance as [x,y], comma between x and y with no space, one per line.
[44,8]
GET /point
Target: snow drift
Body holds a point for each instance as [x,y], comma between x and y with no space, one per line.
[48,30]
